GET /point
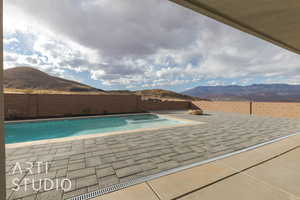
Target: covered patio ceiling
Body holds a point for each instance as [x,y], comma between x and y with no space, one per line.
[276,21]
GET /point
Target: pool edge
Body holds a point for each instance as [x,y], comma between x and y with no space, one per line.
[95,135]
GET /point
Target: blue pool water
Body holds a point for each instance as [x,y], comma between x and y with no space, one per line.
[30,131]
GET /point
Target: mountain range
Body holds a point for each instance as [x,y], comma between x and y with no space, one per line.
[255,92]
[31,80]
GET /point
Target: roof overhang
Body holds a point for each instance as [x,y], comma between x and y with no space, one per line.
[276,21]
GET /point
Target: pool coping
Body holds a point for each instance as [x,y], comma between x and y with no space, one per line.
[95,135]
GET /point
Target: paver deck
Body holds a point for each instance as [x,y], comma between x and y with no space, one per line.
[271,173]
[104,161]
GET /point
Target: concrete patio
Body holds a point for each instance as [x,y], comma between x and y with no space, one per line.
[269,172]
[100,162]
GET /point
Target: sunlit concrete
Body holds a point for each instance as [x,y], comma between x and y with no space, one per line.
[271,174]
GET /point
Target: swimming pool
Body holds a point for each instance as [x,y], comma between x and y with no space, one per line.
[41,130]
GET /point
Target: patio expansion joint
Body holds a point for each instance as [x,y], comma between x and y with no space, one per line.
[151,188]
[238,172]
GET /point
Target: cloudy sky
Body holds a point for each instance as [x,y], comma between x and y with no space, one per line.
[134,44]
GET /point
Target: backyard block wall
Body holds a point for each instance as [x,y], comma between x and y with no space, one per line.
[165,105]
[277,109]
[224,106]
[42,105]
[269,109]
[22,106]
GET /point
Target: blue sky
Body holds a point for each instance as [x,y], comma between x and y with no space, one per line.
[122,44]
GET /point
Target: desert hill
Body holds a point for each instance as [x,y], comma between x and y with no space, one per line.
[31,78]
[164,94]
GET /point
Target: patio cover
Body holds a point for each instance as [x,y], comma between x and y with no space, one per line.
[277,21]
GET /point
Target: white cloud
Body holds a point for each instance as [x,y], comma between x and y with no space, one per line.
[124,43]
[7,41]
[97,74]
